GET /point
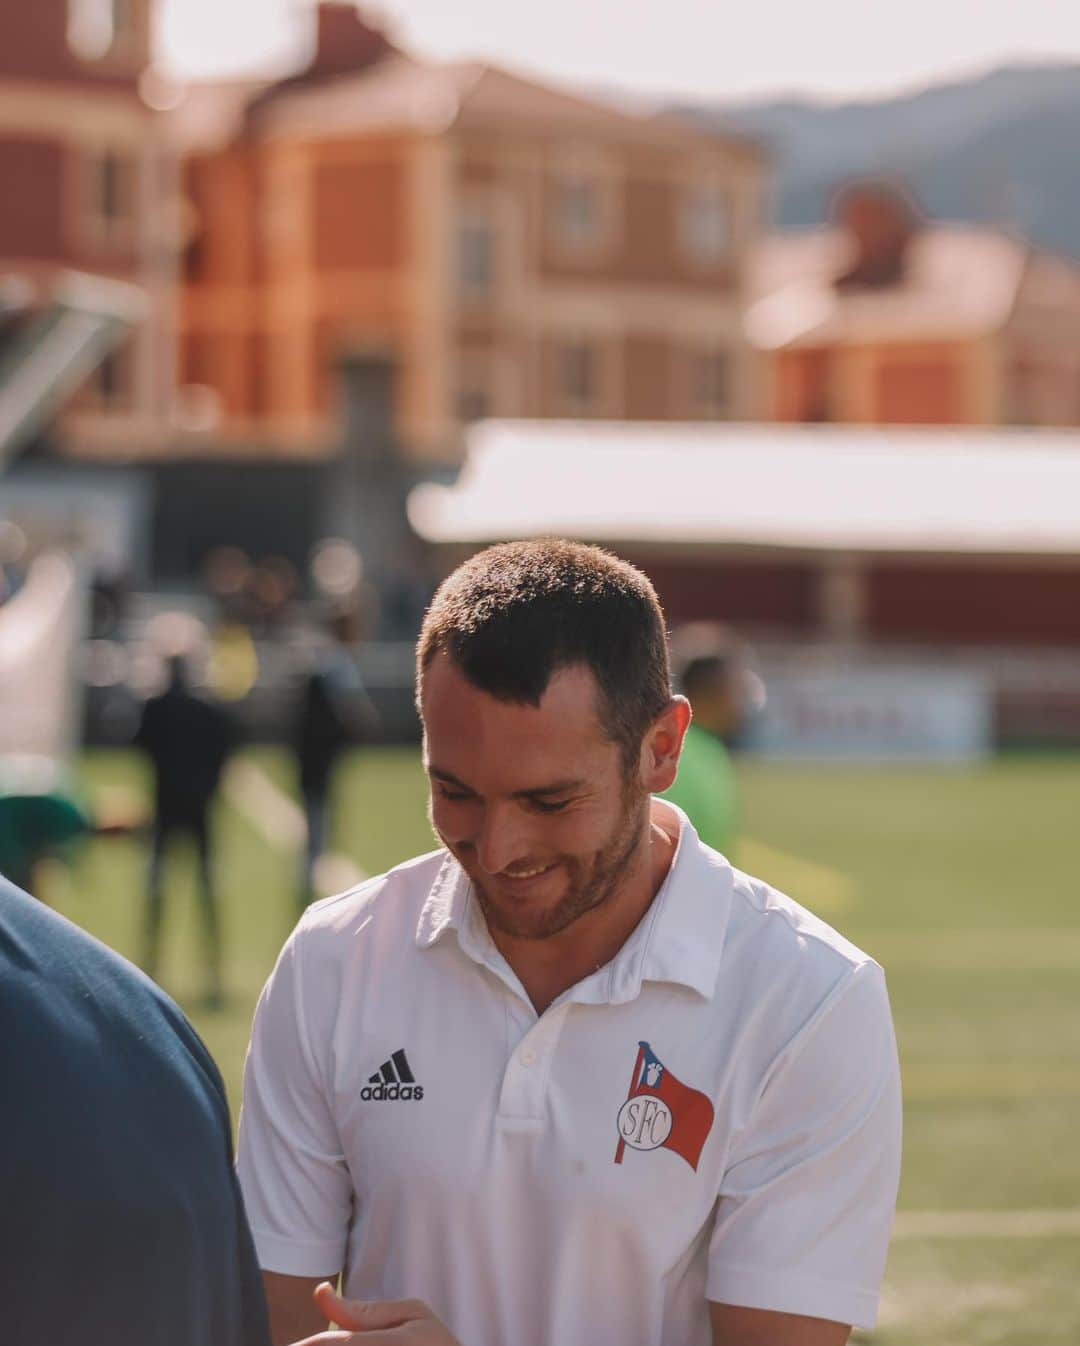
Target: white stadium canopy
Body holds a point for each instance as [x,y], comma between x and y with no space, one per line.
[810,488]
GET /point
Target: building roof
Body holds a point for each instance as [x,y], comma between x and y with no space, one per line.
[957,282]
[863,490]
[404,93]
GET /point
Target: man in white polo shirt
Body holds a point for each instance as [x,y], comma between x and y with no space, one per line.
[571,1080]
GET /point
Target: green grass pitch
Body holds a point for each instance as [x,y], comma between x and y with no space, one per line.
[963,883]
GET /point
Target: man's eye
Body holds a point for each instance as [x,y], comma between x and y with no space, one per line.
[444,793]
[550,806]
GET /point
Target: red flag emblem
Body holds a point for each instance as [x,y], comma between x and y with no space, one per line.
[661,1112]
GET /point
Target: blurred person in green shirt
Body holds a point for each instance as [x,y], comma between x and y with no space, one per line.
[716,679]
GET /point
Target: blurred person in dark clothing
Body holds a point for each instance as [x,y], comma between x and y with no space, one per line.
[334,713]
[121,1222]
[187,738]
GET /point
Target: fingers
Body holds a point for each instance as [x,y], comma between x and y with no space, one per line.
[367,1315]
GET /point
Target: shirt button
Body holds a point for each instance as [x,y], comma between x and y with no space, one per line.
[528,1057]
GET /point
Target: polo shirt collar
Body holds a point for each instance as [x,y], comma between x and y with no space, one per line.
[681,937]
[444,907]
[679,940]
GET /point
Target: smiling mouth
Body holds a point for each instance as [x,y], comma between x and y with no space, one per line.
[518,874]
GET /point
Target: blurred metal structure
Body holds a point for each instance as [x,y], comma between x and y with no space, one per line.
[57,342]
[89,233]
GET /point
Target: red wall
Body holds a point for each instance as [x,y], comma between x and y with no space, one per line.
[925,391]
[746,593]
[32,182]
[996,605]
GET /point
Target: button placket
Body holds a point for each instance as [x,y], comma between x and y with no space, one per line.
[525,1081]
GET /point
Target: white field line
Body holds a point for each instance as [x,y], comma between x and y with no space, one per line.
[280,821]
[979,1224]
[276,816]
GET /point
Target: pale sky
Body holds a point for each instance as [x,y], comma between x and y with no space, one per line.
[685,49]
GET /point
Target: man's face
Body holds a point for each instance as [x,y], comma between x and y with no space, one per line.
[532,801]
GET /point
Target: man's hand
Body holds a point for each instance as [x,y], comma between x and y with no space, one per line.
[392,1322]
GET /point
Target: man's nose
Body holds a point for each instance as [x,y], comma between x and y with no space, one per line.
[502,836]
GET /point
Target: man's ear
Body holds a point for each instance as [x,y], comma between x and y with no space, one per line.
[663,744]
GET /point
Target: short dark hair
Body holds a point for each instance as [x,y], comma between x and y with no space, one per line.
[513,615]
[706,654]
[706,671]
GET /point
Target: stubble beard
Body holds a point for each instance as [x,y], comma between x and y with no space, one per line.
[590,883]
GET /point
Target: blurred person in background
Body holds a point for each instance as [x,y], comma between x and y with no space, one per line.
[716,678]
[42,809]
[333,713]
[187,738]
[42,813]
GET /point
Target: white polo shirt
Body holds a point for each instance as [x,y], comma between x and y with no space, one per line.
[714,1115]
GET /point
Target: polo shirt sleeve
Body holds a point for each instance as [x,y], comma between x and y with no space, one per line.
[806,1203]
[296,1186]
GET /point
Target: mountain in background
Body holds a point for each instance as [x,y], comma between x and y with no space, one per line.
[1000,150]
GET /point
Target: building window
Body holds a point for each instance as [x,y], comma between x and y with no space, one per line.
[97,28]
[194,255]
[705,224]
[577,375]
[582,201]
[711,390]
[476,257]
[577,215]
[110,188]
[114,380]
[111,194]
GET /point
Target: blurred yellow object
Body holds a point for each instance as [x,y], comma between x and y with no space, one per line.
[120,809]
[234,663]
[815,886]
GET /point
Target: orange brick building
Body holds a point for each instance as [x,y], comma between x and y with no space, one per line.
[90,194]
[884,320]
[520,251]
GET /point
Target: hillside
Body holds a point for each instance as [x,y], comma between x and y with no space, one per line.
[999,149]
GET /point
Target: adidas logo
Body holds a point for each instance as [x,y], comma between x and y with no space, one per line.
[393,1080]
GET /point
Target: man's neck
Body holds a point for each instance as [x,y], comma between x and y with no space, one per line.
[548,967]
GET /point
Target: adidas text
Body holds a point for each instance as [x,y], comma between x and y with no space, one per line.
[379,1093]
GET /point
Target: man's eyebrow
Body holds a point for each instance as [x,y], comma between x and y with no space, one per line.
[555,788]
[447,777]
[534,792]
